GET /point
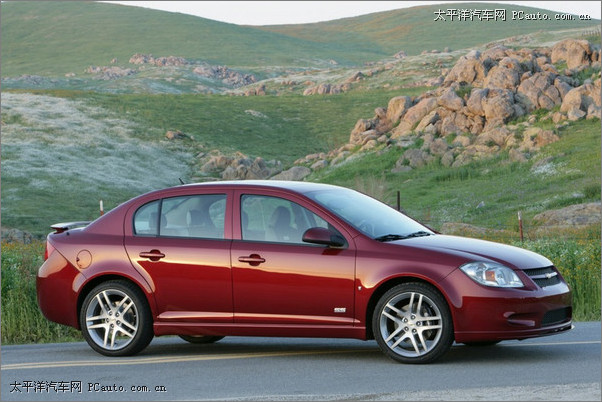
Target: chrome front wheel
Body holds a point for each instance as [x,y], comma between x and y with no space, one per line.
[412,324]
[115,319]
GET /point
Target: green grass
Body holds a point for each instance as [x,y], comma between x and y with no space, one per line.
[579,263]
[22,321]
[437,194]
[55,38]
[294,125]
[415,29]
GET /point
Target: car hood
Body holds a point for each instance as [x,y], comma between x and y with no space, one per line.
[479,250]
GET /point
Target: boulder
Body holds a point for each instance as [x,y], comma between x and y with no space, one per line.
[475,101]
[420,110]
[571,216]
[296,173]
[575,52]
[450,100]
[468,69]
[504,75]
[397,107]
[498,107]
[538,91]
[415,158]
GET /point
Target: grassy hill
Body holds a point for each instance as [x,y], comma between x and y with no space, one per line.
[56,38]
[112,146]
[414,30]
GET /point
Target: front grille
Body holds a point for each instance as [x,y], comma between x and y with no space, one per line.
[543,277]
[556,316]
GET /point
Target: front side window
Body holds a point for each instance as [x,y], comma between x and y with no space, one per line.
[195,216]
[273,219]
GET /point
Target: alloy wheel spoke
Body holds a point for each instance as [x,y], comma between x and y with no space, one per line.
[101,317]
[106,336]
[411,303]
[113,336]
[414,344]
[101,304]
[122,308]
[420,336]
[395,309]
[106,306]
[99,325]
[419,306]
[401,339]
[130,326]
[393,318]
[394,333]
[431,327]
[124,331]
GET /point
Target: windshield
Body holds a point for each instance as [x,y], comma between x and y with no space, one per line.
[368,215]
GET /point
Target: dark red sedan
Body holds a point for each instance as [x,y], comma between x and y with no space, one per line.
[294,259]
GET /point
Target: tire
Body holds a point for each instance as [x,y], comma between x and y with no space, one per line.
[412,324]
[115,319]
[201,339]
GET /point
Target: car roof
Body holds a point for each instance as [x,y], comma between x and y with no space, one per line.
[296,186]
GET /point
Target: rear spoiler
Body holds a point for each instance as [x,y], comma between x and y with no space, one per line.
[63,227]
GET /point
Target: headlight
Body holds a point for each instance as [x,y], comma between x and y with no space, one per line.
[492,274]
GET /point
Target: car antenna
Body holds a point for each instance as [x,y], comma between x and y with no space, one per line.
[181,181]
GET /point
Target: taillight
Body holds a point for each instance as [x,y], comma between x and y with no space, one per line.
[49,250]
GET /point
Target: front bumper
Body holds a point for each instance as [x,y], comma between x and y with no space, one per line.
[483,313]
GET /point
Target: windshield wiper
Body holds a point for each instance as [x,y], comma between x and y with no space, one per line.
[392,237]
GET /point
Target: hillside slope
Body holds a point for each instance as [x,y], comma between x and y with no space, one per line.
[56,38]
[414,30]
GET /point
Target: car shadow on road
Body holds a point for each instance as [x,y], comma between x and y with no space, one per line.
[365,351]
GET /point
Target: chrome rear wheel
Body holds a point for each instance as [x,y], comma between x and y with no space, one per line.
[115,319]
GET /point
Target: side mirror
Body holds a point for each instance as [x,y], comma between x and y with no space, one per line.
[323,236]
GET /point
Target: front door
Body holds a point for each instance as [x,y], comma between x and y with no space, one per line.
[279,279]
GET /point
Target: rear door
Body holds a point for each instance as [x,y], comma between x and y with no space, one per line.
[182,246]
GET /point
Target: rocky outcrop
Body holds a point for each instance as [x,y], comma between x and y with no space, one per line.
[477,99]
[296,173]
[109,73]
[176,135]
[583,101]
[140,58]
[326,89]
[571,216]
[10,235]
[237,166]
[574,52]
[226,75]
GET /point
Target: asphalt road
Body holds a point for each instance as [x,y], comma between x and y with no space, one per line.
[560,367]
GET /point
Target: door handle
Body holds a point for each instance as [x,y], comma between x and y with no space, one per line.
[153,255]
[253,259]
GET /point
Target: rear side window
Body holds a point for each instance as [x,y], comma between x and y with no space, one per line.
[195,216]
[146,219]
